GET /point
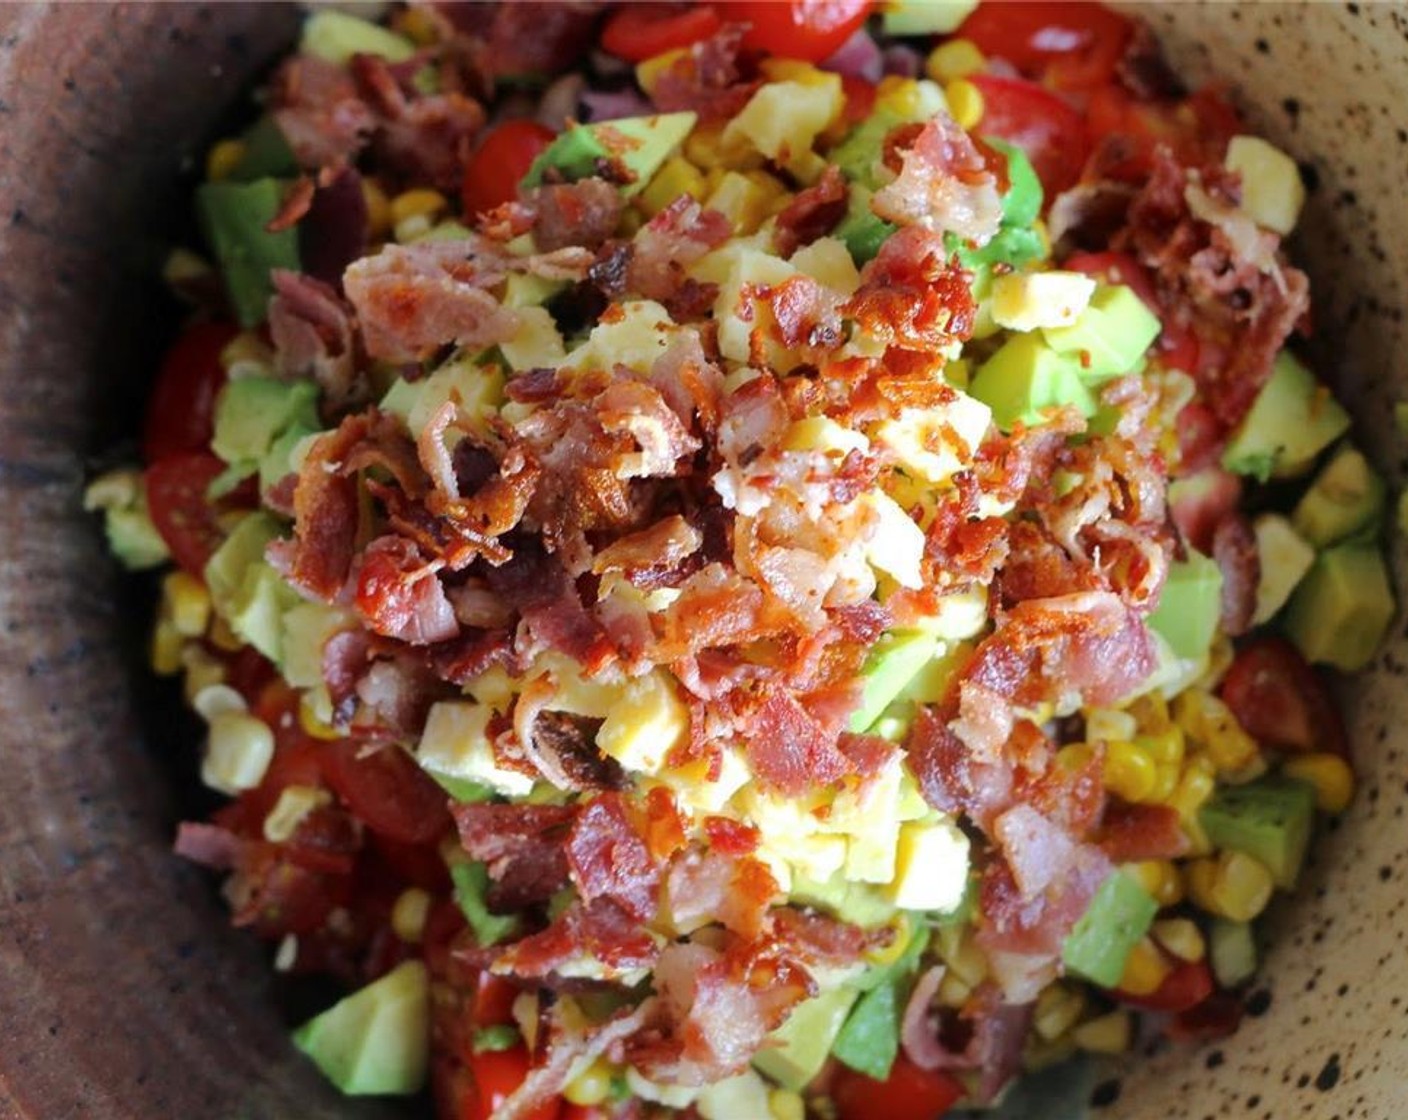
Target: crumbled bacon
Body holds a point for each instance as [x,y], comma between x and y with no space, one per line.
[312,332]
[580,213]
[944,185]
[788,749]
[522,846]
[1129,833]
[1234,549]
[813,212]
[317,109]
[399,596]
[708,78]
[668,244]
[600,930]
[911,296]
[609,859]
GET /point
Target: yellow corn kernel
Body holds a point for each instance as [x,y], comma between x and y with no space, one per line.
[1160,878]
[893,949]
[1195,786]
[792,70]
[223,158]
[968,961]
[1165,746]
[186,602]
[1231,885]
[1329,774]
[417,25]
[1165,783]
[899,96]
[1151,710]
[166,645]
[294,803]
[784,1104]
[649,71]
[1109,1034]
[202,670]
[957,58]
[222,637]
[1075,756]
[1108,724]
[965,102]
[678,176]
[591,1086]
[378,209]
[409,913]
[1058,1008]
[1145,969]
[238,750]
[1181,937]
[419,202]
[1129,771]
[312,722]
[1198,842]
[953,990]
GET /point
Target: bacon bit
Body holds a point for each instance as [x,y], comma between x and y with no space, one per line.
[661,824]
[813,213]
[665,246]
[731,837]
[295,204]
[788,749]
[311,328]
[1130,833]
[582,213]
[523,848]
[399,596]
[944,184]
[805,314]
[1234,549]
[708,78]
[609,858]
[317,109]
[911,297]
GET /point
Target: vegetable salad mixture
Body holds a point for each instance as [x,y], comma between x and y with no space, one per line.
[750,560]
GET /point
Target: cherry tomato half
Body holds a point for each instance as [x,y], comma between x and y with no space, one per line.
[176,500]
[497,1073]
[1073,46]
[807,29]
[1186,986]
[636,32]
[910,1093]
[500,162]
[1280,700]
[1050,131]
[387,791]
[181,411]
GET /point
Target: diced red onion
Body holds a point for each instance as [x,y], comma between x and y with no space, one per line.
[859,57]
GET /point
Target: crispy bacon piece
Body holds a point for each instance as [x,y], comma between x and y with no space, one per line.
[788,749]
[734,890]
[312,332]
[523,847]
[581,213]
[610,859]
[911,297]
[662,547]
[319,112]
[668,244]
[320,556]
[708,78]
[1234,549]
[600,929]
[550,609]
[944,185]
[806,315]
[399,596]
[813,212]
[1138,832]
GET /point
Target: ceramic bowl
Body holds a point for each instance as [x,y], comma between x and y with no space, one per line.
[122,991]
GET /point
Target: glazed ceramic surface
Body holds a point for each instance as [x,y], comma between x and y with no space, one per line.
[122,992]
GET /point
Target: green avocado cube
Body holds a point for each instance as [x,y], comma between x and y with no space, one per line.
[245,590]
[869,1041]
[1269,819]
[1021,204]
[1111,335]
[799,1048]
[862,231]
[1284,557]
[1117,918]
[234,217]
[858,155]
[377,1040]
[266,153]
[1189,605]
[896,660]
[1292,420]
[1011,245]
[252,412]
[336,36]
[1347,495]
[925,17]
[1342,609]
[1026,377]
[641,144]
[1231,952]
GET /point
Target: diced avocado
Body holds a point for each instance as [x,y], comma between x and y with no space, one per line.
[252,412]
[523,289]
[249,594]
[862,230]
[1284,559]
[858,154]
[861,904]
[931,866]
[277,462]
[1269,819]
[1346,496]
[1021,203]
[896,659]
[1272,191]
[925,17]
[1231,952]
[122,496]
[471,880]
[1114,331]
[1118,917]
[733,1098]
[1292,420]
[1189,605]
[1342,609]
[401,397]
[799,1048]
[1024,378]
[377,1040]
[233,216]
[336,36]
[642,144]
[870,1039]
[1012,246]
[266,153]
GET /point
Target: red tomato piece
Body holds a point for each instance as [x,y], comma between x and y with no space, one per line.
[1216,1017]
[1050,131]
[179,509]
[1185,987]
[497,1073]
[860,98]
[1280,700]
[807,29]
[181,410]
[910,1093]
[387,791]
[636,32]
[583,1112]
[493,1000]
[1201,436]
[1116,268]
[500,162]
[1073,46]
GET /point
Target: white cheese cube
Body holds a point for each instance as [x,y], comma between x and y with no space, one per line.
[1027,301]
[897,544]
[455,744]
[931,866]
[1285,558]
[645,724]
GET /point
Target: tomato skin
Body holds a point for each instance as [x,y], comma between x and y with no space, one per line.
[636,32]
[181,410]
[497,1073]
[860,98]
[500,162]
[1280,700]
[387,791]
[1116,268]
[1185,987]
[810,30]
[1051,132]
[910,1093]
[493,1000]
[1071,46]
[176,500]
